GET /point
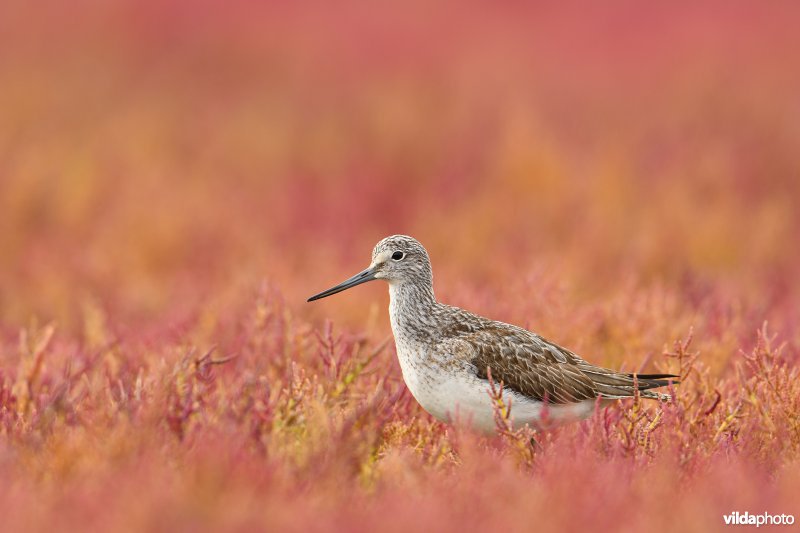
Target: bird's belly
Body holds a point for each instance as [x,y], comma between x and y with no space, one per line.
[453,393]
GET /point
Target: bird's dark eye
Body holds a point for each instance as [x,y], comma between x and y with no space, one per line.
[397,256]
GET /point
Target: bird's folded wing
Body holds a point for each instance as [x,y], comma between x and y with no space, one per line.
[527,364]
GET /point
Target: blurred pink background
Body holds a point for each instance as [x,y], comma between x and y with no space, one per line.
[157,156]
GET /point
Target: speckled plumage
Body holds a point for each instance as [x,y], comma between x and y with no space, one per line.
[445,352]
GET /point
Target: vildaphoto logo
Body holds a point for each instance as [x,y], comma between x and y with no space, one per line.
[764,519]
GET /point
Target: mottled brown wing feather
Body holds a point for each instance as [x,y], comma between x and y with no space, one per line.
[529,365]
[539,369]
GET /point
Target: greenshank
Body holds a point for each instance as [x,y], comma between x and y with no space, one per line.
[448,355]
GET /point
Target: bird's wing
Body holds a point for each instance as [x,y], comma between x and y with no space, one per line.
[527,364]
[542,370]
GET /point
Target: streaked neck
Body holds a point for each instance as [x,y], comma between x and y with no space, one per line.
[411,294]
[411,307]
[412,313]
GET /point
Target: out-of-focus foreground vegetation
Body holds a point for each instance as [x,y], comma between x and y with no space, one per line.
[177,177]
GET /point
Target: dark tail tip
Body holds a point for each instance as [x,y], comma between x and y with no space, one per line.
[653,381]
[655,376]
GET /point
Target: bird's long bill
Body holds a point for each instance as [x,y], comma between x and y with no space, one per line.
[362,277]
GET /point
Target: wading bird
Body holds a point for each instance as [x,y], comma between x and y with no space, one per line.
[448,355]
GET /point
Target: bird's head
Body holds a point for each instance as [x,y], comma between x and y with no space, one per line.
[398,259]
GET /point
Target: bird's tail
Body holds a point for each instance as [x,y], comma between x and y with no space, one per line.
[646,382]
[616,385]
